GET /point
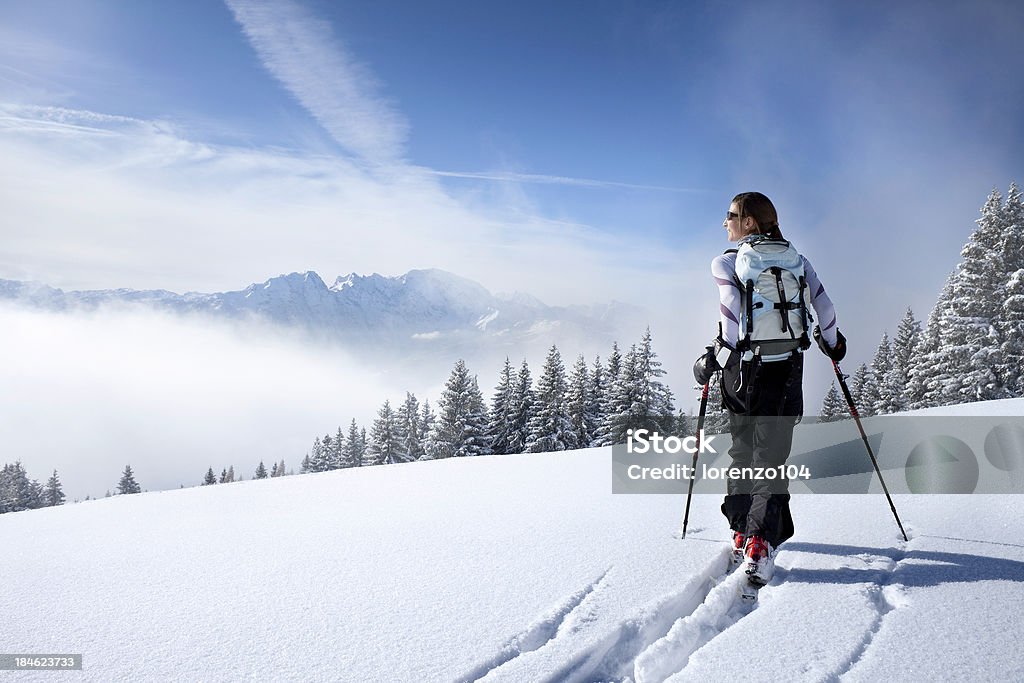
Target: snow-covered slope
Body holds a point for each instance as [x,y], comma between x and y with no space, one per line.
[505,568]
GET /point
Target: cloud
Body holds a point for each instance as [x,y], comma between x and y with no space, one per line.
[342,94]
[172,396]
[503,176]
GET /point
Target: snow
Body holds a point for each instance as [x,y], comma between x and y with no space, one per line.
[507,568]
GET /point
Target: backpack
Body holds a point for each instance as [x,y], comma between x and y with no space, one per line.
[774,318]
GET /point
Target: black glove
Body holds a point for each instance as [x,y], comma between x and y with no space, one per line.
[706,366]
[836,353]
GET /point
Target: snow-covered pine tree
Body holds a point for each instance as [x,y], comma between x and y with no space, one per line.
[716,418]
[353,446]
[336,458]
[1010,363]
[904,345]
[128,485]
[17,491]
[427,421]
[273,471]
[280,468]
[580,403]
[859,390]
[876,390]
[461,427]
[551,428]
[210,478]
[608,405]
[969,331]
[261,470]
[53,494]
[523,410]
[409,430]
[927,369]
[306,466]
[231,473]
[502,411]
[684,426]
[655,410]
[598,389]
[1012,367]
[384,440]
[621,409]
[223,476]
[320,454]
[833,407]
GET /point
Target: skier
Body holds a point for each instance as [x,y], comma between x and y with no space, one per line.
[762,370]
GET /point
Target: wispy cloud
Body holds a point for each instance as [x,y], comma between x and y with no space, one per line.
[541,179]
[312,64]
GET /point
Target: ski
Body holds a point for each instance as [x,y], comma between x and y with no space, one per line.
[749,591]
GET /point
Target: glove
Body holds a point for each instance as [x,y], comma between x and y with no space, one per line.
[706,366]
[836,353]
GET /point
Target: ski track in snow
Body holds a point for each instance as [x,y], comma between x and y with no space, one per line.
[538,634]
[676,627]
[886,595]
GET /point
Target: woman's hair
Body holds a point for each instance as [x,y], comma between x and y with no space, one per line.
[761,209]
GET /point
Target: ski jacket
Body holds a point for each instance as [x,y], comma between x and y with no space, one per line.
[723,269]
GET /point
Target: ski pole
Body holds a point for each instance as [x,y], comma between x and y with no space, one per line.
[700,434]
[856,417]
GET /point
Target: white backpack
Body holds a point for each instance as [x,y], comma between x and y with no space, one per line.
[775,317]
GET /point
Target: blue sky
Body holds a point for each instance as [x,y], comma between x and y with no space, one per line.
[579,151]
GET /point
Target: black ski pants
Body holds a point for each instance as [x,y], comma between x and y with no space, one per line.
[762,437]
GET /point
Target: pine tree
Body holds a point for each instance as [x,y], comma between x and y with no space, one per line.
[551,428]
[427,422]
[598,389]
[280,470]
[1012,365]
[685,425]
[384,438]
[128,485]
[354,446]
[53,494]
[210,478]
[580,404]
[307,465]
[231,473]
[319,455]
[409,430]
[833,407]
[608,398]
[655,410]
[928,372]
[716,417]
[502,410]
[859,390]
[969,330]
[622,409]
[273,471]
[903,348]
[261,471]
[461,428]
[336,458]
[17,491]
[523,410]
[876,396]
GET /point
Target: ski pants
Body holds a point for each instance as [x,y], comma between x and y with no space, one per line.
[762,437]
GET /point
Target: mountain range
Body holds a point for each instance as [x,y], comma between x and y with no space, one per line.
[421,313]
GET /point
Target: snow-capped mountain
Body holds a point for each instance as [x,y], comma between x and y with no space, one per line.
[421,310]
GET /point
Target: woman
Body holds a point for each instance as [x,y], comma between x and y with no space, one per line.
[762,378]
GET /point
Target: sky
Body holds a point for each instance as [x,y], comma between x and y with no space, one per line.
[579,152]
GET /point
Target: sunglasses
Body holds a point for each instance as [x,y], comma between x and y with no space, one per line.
[729,215]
